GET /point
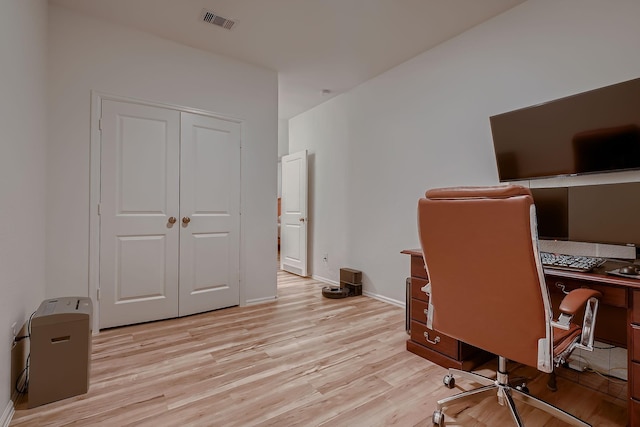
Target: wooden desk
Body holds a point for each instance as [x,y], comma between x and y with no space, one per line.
[436,347]
[618,321]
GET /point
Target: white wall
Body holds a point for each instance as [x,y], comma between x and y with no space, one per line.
[283,137]
[23,129]
[87,54]
[425,124]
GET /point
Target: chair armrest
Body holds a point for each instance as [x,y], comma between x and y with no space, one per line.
[576,299]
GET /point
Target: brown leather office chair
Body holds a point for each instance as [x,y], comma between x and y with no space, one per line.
[487,288]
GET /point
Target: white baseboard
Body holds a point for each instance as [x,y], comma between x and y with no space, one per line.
[365,293]
[260,300]
[385,299]
[325,280]
[8,412]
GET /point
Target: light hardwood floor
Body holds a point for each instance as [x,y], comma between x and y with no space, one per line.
[301,360]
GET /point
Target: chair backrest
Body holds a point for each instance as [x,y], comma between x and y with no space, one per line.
[480,248]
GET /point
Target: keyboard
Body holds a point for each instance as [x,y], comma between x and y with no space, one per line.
[570,262]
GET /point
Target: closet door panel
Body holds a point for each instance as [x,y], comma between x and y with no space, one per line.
[209,214]
[140,148]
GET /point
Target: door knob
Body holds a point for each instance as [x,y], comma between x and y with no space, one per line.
[172,220]
[186,220]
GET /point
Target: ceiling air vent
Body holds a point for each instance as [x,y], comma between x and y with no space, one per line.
[211,18]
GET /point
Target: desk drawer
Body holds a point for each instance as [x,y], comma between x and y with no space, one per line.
[634,408]
[416,286]
[634,384]
[417,267]
[418,310]
[635,344]
[445,345]
[611,296]
[635,313]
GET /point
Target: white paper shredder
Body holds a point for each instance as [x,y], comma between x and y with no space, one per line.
[60,350]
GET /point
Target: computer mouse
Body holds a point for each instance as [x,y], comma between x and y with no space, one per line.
[631,269]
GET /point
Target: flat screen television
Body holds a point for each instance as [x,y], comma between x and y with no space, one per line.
[591,132]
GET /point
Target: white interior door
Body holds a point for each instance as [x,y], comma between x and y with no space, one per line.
[140,149]
[209,214]
[293,220]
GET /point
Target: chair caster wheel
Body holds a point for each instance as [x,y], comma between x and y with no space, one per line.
[449,381]
[523,388]
[438,418]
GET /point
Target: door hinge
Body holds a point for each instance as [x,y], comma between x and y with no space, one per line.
[98,294]
[100,124]
[99,208]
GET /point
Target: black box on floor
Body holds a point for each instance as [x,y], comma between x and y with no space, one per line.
[354,288]
[350,275]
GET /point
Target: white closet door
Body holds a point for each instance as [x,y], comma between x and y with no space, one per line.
[139,196]
[209,214]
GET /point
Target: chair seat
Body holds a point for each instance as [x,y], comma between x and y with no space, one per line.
[563,339]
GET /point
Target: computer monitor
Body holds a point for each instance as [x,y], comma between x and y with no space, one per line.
[606,213]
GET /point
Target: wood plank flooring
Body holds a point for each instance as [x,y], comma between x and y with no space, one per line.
[302,360]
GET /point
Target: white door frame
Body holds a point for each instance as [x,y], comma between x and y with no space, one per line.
[94,189]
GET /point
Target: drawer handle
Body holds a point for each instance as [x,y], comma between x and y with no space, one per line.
[561,286]
[434,342]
